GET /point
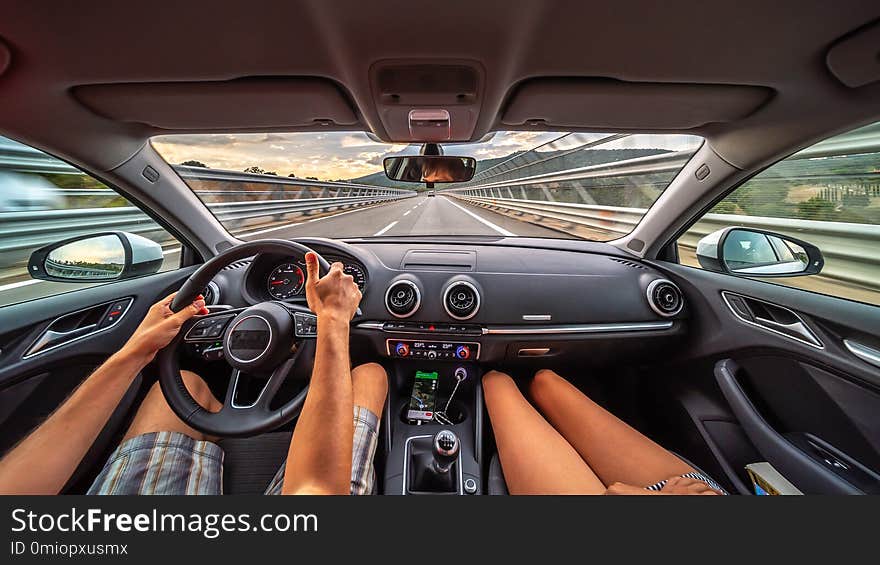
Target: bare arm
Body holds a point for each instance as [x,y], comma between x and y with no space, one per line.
[45,460]
[319,460]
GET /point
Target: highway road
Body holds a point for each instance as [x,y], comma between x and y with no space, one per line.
[421,215]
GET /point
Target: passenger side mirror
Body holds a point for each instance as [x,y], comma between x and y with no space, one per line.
[96,258]
[750,252]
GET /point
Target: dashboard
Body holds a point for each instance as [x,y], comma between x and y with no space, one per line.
[482,301]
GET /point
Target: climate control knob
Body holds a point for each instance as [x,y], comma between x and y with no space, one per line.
[402,350]
[463,352]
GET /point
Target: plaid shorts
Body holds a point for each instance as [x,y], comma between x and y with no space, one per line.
[174,463]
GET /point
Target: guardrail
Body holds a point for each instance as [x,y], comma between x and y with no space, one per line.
[852,251]
[239,200]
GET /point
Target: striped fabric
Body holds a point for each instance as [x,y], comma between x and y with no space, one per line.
[363,475]
[173,463]
[162,463]
[696,476]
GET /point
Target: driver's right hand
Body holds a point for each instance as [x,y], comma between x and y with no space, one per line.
[335,296]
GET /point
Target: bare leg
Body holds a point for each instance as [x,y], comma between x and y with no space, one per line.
[613,449]
[534,457]
[369,384]
[154,414]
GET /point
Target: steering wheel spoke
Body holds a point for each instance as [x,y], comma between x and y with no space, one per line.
[207,328]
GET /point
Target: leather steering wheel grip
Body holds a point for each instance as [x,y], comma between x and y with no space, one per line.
[197,282]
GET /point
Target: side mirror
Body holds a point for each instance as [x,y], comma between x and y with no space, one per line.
[96,258]
[750,252]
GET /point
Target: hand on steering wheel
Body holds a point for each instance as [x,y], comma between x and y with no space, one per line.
[262,341]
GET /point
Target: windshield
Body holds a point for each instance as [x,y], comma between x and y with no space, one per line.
[527,184]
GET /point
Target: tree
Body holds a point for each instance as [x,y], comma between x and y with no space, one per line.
[273,173]
[312,178]
[817,208]
[255,170]
[291,175]
[194,164]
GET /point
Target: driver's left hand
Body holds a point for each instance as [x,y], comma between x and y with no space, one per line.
[160,326]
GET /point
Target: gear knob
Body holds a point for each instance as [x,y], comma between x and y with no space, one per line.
[445,448]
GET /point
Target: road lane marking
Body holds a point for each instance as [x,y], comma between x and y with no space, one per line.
[19,284]
[385,229]
[486,222]
[407,212]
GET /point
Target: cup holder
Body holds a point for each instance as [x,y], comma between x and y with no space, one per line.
[456,413]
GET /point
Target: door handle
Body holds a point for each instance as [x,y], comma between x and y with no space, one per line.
[867,354]
[794,329]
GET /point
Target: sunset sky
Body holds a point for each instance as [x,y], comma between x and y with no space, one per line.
[327,156]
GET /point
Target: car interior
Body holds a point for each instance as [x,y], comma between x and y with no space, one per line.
[726,355]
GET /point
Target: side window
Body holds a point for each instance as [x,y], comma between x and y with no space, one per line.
[827,195]
[43,201]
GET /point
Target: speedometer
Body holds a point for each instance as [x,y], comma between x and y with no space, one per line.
[285,281]
[357,273]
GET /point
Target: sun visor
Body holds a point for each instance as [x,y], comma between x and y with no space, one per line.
[613,104]
[236,104]
[855,60]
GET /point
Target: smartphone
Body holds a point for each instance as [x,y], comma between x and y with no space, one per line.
[424,397]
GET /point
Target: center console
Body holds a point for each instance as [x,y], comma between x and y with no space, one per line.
[434,413]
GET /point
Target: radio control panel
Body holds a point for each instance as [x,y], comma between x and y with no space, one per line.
[433,350]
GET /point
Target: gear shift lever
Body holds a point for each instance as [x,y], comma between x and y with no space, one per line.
[445,447]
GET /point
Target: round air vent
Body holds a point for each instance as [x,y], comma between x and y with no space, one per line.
[402,298]
[211,293]
[461,300]
[664,297]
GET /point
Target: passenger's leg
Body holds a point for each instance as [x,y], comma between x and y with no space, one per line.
[613,449]
[534,457]
[154,414]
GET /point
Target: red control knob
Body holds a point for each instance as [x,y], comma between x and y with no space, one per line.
[402,349]
[463,352]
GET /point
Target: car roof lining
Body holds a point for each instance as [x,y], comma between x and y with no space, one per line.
[779,47]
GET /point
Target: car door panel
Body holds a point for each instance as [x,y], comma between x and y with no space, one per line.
[810,410]
[32,386]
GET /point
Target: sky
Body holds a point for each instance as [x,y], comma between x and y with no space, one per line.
[327,156]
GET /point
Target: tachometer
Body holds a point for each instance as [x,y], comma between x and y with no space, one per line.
[285,281]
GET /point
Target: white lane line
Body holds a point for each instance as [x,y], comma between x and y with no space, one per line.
[486,222]
[385,229]
[407,212]
[19,284]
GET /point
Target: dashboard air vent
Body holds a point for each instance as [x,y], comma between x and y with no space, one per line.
[632,264]
[461,300]
[665,298]
[402,298]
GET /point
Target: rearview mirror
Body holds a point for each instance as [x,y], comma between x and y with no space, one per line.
[756,253]
[96,258]
[430,168]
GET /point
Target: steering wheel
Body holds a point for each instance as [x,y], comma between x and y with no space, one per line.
[263,340]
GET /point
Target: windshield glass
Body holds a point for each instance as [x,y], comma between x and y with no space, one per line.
[594,186]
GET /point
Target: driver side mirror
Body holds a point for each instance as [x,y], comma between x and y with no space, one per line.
[98,257]
[750,252]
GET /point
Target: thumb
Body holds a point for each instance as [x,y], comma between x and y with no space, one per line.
[197,307]
[312,268]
